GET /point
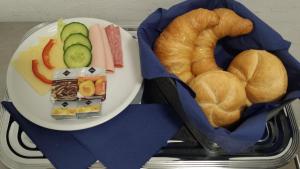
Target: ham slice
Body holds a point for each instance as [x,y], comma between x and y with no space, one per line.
[114,39]
[95,36]
[108,55]
[102,56]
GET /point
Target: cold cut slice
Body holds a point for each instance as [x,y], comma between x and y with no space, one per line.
[98,52]
[114,39]
[108,55]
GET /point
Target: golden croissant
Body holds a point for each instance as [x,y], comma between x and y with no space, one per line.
[175,45]
[230,24]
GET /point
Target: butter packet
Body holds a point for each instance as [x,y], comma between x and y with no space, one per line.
[64,110]
[88,108]
[80,109]
[92,84]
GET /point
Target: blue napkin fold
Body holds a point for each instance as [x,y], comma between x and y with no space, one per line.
[263,37]
[126,141]
[61,148]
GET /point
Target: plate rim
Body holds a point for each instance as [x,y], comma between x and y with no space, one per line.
[82,126]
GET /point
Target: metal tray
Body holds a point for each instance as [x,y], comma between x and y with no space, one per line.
[275,149]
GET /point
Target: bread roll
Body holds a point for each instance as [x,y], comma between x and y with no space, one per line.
[221,95]
[230,24]
[263,74]
[175,44]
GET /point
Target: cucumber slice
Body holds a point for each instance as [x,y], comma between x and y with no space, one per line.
[73,27]
[77,56]
[77,38]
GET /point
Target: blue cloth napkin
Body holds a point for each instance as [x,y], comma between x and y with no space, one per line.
[263,36]
[125,142]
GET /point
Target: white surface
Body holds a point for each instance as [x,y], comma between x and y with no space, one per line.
[38,108]
[9,158]
[27,141]
[13,134]
[283,16]
[126,11]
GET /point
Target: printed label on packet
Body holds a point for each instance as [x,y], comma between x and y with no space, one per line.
[64,110]
[88,108]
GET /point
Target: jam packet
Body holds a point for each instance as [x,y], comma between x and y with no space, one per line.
[92,84]
[79,83]
[65,84]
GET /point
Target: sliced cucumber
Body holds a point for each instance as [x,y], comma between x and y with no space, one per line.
[73,27]
[77,56]
[77,38]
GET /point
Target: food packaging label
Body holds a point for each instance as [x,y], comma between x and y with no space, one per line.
[64,110]
[88,108]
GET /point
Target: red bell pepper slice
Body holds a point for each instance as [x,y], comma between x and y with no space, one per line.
[45,54]
[37,74]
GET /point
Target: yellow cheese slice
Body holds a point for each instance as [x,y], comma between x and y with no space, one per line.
[23,63]
[56,54]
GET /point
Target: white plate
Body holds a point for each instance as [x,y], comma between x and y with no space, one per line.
[123,85]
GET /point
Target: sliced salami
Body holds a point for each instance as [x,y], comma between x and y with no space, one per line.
[114,39]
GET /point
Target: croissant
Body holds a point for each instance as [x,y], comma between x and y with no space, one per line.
[263,74]
[221,105]
[175,45]
[230,24]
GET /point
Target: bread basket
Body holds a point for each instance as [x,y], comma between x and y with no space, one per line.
[252,124]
